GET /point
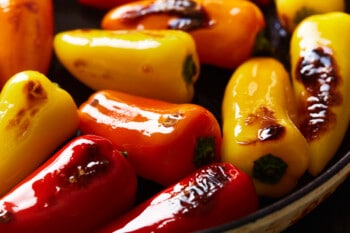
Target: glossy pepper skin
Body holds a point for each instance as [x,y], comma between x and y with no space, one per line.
[36,116]
[156,64]
[26,36]
[163,141]
[212,23]
[82,186]
[260,135]
[292,12]
[321,68]
[212,195]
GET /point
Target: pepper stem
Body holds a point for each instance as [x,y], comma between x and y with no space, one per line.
[269,169]
[204,152]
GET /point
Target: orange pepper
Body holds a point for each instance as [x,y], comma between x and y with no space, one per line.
[225,31]
[26,36]
[163,141]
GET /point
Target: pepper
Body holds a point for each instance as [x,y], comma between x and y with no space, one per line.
[210,196]
[260,134]
[103,4]
[320,69]
[36,116]
[292,12]
[156,64]
[213,24]
[81,187]
[163,141]
[26,36]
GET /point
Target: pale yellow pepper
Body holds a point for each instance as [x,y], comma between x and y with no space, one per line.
[320,61]
[292,12]
[259,132]
[160,64]
[36,117]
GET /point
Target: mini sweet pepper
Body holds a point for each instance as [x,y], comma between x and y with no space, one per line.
[163,141]
[320,69]
[260,134]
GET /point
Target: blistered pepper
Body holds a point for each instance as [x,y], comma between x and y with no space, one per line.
[36,116]
[292,12]
[321,68]
[260,134]
[212,195]
[163,141]
[157,64]
[81,187]
[225,31]
[26,36]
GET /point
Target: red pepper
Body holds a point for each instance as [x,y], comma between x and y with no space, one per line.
[164,141]
[82,186]
[212,195]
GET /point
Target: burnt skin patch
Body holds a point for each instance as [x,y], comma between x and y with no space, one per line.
[35,96]
[189,15]
[317,71]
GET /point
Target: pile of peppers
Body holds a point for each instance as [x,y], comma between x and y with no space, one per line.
[62,161]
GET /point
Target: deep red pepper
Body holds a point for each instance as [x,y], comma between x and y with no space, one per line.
[82,186]
[212,195]
[164,141]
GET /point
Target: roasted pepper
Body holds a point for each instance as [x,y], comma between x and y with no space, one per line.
[156,64]
[36,116]
[163,141]
[260,135]
[212,195]
[224,30]
[81,187]
[292,12]
[26,36]
[321,68]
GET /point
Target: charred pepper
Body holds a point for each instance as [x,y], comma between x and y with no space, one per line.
[212,195]
[36,116]
[163,141]
[81,187]
[260,134]
[321,69]
[225,31]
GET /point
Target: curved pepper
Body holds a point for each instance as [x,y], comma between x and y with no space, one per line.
[212,195]
[321,68]
[156,64]
[292,12]
[224,31]
[26,36]
[81,187]
[163,141]
[36,116]
[260,135]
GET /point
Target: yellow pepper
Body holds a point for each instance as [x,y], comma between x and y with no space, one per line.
[155,64]
[320,62]
[259,132]
[292,12]
[36,116]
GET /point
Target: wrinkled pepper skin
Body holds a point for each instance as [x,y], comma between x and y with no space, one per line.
[321,68]
[156,64]
[81,187]
[212,195]
[260,135]
[26,36]
[36,116]
[163,141]
[212,23]
[292,12]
